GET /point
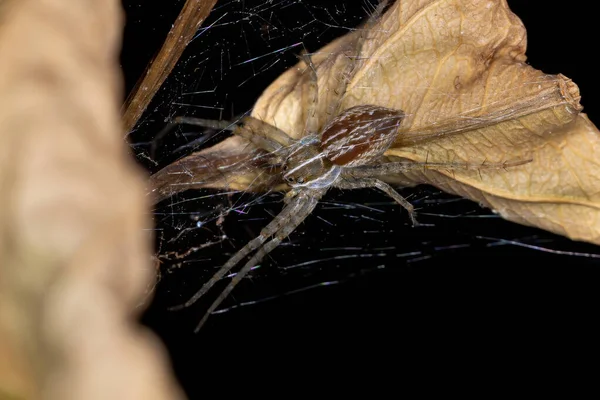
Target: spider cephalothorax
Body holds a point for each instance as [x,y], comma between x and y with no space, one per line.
[305,165]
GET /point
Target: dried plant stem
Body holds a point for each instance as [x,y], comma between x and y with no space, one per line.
[192,15]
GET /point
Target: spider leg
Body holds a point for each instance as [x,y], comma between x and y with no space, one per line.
[360,183]
[263,129]
[257,132]
[293,207]
[346,74]
[312,123]
[205,123]
[308,203]
[366,171]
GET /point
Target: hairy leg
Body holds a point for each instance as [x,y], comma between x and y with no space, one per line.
[346,73]
[367,171]
[293,207]
[261,128]
[312,123]
[308,202]
[360,183]
[257,132]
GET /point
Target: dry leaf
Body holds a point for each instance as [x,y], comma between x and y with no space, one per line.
[457,69]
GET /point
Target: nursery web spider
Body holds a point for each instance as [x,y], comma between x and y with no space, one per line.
[347,154]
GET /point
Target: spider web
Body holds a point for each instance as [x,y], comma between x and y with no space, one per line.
[357,254]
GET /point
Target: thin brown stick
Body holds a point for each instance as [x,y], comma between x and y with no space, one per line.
[192,15]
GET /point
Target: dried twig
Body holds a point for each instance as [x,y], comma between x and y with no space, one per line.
[192,15]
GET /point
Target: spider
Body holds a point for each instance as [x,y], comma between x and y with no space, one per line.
[347,153]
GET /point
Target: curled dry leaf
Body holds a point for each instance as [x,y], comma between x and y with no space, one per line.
[457,69]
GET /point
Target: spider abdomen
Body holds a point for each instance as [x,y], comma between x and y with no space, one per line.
[360,135]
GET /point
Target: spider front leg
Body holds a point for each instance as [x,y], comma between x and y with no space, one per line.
[349,182]
[294,214]
[295,211]
[273,227]
[258,128]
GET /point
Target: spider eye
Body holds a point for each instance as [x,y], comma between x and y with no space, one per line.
[285,167]
[289,179]
[300,180]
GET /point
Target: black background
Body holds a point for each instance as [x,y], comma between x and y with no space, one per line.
[457,300]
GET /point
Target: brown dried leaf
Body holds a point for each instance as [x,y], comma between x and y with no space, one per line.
[457,69]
